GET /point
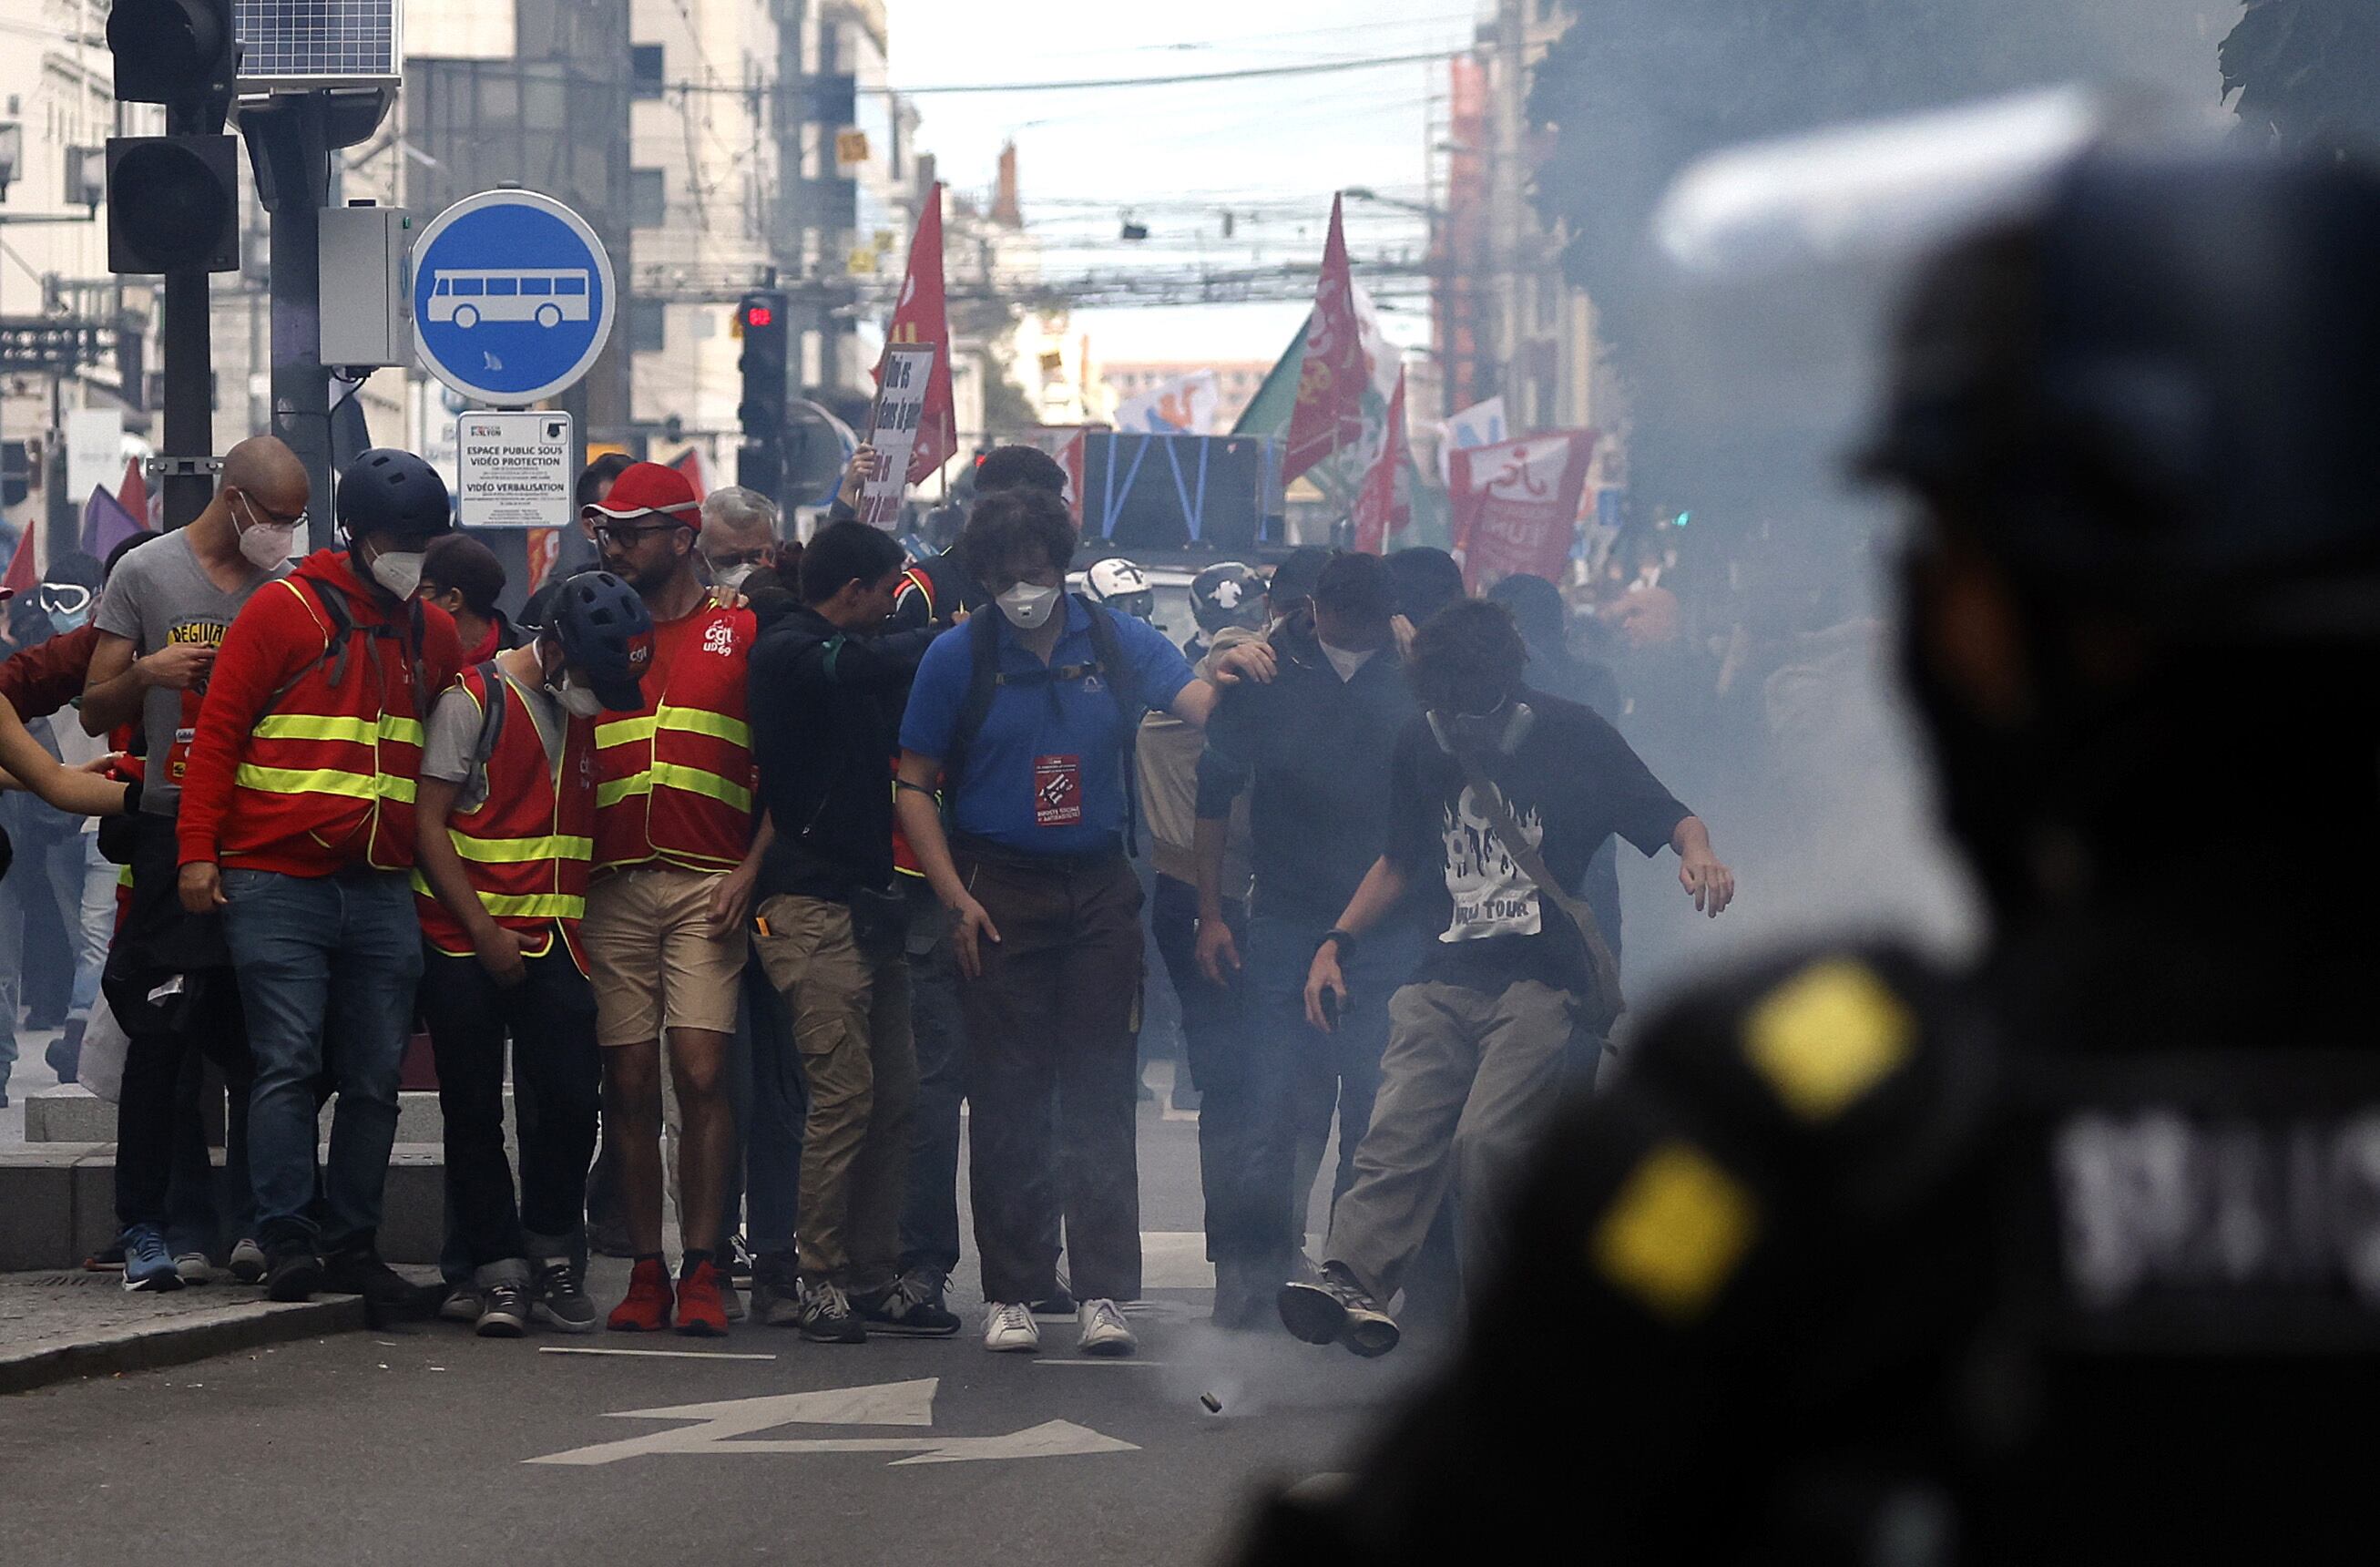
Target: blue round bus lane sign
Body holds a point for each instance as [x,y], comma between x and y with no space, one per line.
[513,296]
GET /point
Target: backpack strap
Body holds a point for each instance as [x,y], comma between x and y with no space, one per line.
[983,682]
[1106,647]
[496,698]
[332,605]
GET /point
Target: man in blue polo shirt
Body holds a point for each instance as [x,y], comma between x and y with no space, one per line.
[1025,716]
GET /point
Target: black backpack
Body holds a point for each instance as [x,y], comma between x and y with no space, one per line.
[982,631]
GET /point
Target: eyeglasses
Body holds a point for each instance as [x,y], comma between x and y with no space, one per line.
[627,535]
[728,560]
[276,519]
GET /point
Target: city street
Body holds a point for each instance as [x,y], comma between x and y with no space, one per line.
[393,1445]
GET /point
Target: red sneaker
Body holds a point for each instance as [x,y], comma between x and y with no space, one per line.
[647,1310]
[700,1312]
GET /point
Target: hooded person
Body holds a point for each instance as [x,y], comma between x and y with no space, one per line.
[504,826]
[297,827]
[2066,1258]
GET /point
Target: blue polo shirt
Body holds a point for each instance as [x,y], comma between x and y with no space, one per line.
[1045,775]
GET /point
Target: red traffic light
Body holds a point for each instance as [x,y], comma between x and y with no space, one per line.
[759,315]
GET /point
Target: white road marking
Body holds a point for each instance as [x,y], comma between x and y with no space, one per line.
[651,1354]
[726,1427]
[1114,1364]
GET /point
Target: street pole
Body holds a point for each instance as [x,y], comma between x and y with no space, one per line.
[1504,208]
[289,149]
[188,342]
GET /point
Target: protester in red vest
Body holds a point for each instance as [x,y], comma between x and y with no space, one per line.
[677,859]
[297,822]
[504,838]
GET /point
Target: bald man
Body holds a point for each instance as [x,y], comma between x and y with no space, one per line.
[163,615]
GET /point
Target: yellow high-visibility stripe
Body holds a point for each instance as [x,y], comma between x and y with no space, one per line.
[694,721]
[322,726]
[694,781]
[613,791]
[324,781]
[519,905]
[624,732]
[521,851]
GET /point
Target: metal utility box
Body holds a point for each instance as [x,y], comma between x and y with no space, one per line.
[366,289]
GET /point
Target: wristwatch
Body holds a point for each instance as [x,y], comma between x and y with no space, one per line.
[1346,943]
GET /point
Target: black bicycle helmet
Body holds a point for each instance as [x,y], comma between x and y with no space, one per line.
[386,490]
[607,634]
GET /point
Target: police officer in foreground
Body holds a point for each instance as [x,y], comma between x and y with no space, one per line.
[2075,1257]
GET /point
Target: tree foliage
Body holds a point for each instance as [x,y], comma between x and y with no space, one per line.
[2306,73]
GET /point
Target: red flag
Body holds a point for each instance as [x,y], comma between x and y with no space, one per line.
[24,572]
[1330,412]
[134,492]
[689,463]
[1384,509]
[922,316]
[1516,505]
[1071,454]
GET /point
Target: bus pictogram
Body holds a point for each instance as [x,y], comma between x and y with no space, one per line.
[548,295]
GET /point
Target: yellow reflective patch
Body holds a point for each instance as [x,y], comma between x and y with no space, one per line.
[617,789]
[314,726]
[521,851]
[694,721]
[300,781]
[694,781]
[624,732]
[1675,1232]
[1827,1036]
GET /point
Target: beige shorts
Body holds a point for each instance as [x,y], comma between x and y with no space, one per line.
[657,963]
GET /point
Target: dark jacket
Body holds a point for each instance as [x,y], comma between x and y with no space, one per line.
[826,720]
[1314,750]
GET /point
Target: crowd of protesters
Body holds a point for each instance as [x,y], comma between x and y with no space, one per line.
[742,864]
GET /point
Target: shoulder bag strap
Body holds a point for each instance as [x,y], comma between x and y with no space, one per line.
[1601,966]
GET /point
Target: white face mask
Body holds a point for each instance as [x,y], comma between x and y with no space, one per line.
[1345,662]
[265,544]
[579,701]
[1027,606]
[399,571]
[732,578]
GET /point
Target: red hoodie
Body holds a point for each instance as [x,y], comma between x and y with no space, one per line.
[231,814]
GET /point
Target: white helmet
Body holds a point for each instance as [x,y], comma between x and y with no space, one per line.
[1120,585]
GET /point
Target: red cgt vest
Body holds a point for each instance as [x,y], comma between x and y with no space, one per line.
[529,845]
[674,782]
[340,750]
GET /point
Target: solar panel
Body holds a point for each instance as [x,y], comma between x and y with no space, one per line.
[318,43]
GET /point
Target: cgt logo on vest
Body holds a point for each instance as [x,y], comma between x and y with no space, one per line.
[720,638]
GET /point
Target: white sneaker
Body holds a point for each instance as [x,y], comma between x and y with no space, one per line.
[1104,1330]
[1009,1328]
[194,1268]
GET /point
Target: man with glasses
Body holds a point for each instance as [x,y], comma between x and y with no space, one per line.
[164,612]
[677,859]
[739,535]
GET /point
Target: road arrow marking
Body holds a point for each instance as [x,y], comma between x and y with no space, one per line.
[727,1426]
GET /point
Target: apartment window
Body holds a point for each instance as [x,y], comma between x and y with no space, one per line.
[647,199]
[647,326]
[645,71]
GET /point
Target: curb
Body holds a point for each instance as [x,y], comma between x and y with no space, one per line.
[181,1343]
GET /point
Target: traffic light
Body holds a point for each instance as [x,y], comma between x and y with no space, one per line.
[760,460]
[173,201]
[761,316]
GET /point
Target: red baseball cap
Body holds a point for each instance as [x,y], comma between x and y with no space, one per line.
[650,487]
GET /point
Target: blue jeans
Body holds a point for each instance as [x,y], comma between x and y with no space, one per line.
[327,968]
[1317,1076]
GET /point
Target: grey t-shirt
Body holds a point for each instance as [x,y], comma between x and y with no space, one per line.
[452,738]
[157,596]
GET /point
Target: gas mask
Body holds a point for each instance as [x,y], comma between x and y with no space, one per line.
[1501,731]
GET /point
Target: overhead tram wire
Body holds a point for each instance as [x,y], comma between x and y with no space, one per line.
[1246,73]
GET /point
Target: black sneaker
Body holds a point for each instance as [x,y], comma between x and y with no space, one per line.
[562,1302]
[464,1302]
[1335,1309]
[388,1294]
[293,1271]
[913,1307]
[824,1313]
[503,1310]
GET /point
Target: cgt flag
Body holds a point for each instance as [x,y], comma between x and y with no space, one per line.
[1516,505]
[1330,414]
[923,316]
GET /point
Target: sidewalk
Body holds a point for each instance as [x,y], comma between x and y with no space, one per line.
[59,1325]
